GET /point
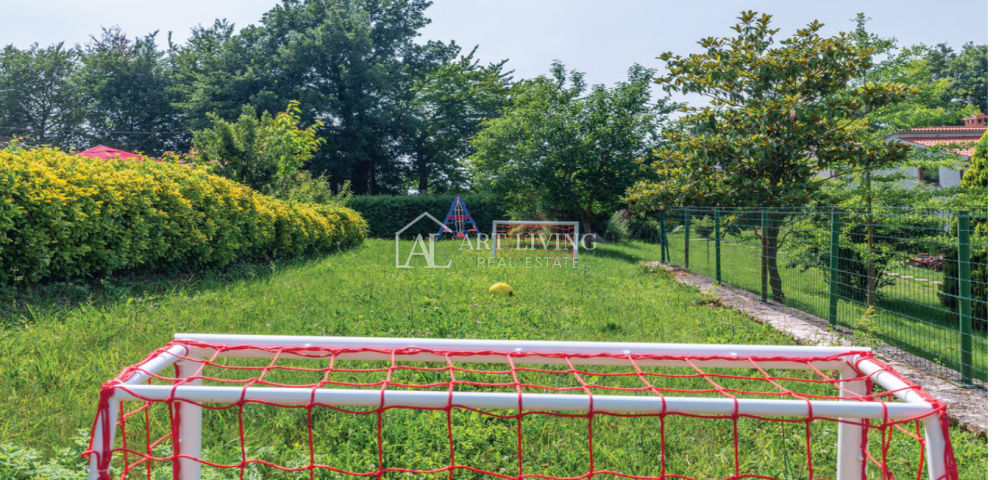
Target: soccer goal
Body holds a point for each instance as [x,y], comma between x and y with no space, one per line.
[522,409]
[535,238]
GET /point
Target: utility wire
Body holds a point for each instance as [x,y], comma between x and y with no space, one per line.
[126,132]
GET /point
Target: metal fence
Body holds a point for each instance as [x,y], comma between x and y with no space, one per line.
[915,279]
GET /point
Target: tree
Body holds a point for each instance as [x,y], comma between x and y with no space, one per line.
[350,63]
[38,97]
[934,103]
[968,71]
[895,234]
[218,71]
[920,66]
[128,91]
[446,108]
[776,117]
[568,151]
[260,152]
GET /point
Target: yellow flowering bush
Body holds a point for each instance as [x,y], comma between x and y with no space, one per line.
[64,216]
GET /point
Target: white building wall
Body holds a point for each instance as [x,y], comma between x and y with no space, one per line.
[949,178]
[910,174]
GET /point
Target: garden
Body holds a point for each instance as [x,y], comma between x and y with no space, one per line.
[284,170]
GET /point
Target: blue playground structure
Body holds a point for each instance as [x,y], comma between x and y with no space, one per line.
[457,220]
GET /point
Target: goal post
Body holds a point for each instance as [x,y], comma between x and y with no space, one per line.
[197,372]
[535,237]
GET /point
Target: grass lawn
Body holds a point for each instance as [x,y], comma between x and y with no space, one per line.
[60,342]
[909,314]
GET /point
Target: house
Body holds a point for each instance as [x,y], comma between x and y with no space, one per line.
[960,139]
[107,153]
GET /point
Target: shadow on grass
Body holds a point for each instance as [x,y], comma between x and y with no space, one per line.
[23,304]
[613,251]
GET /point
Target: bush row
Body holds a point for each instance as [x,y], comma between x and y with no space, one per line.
[64,216]
[387,215]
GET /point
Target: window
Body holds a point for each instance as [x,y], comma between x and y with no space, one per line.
[928,177]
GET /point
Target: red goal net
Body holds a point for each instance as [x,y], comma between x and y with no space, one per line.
[339,408]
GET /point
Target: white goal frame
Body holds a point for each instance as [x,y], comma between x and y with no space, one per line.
[205,346]
[496,239]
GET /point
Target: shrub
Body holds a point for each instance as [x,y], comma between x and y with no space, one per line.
[260,152]
[386,214]
[618,227]
[647,229]
[64,216]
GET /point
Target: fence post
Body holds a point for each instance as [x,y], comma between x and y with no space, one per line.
[965,299]
[717,242]
[686,238]
[835,234]
[664,239]
[765,252]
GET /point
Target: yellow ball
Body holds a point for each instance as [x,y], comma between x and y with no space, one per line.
[502,289]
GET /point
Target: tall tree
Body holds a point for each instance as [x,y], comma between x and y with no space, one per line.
[923,67]
[216,72]
[349,62]
[568,150]
[445,108]
[968,71]
[127,86]
[777,116]
[38,97]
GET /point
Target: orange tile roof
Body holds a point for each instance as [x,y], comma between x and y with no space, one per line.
[951,128]
[957,140]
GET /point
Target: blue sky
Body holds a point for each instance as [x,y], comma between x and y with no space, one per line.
[600,37]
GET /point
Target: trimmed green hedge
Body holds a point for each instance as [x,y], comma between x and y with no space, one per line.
[64,216]
[386,215]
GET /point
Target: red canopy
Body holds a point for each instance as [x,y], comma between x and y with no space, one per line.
[107,153]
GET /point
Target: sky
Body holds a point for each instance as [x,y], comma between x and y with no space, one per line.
[602,38]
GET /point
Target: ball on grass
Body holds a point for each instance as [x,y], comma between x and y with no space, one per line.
[502,289]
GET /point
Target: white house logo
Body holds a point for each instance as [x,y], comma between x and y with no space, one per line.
[420,248]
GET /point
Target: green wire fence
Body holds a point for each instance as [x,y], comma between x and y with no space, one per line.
[915,279]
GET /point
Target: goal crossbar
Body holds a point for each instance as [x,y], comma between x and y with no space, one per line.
[188,354]
[572,240]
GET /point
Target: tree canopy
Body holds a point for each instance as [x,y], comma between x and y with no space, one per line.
[776,117]
[398,112]
[258,151]
[563,148]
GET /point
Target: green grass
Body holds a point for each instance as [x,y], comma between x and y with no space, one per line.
[909,314]
[61,342]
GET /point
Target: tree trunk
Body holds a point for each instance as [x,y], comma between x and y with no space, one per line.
[422,169]
[422,182]
[371,181]
[772,258]
[587,220]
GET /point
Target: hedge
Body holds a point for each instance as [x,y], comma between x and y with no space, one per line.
[63,216]
[386,215]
